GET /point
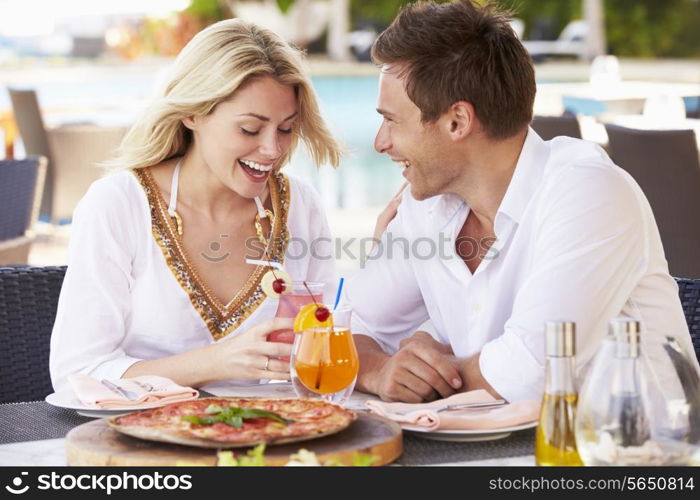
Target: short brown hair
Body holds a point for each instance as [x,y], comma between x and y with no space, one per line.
[462,51]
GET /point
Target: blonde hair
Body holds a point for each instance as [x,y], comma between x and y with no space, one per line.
[211,67]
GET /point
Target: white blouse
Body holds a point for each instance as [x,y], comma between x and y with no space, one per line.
[129,294]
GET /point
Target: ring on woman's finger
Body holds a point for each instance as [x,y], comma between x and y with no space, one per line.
[267,362]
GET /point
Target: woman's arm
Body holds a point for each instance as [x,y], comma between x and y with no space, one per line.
[244,357]
[388,214]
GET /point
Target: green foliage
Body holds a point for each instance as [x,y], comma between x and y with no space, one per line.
[207,10]
[284,5]
[687,41]
[649,28]
[381,11]
[634,28]
[558,12]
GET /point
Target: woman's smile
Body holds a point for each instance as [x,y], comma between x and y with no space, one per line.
[254,170]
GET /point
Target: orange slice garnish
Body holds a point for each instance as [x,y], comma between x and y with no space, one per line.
[306,318]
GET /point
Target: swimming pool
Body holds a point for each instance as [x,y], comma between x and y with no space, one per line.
[365,177]
[348,103]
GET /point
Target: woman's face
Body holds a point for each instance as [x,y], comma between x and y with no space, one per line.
[242,140]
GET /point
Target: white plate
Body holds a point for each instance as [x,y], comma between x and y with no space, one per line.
[466,436]
[67,399]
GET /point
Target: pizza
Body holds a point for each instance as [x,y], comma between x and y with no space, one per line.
[230,422]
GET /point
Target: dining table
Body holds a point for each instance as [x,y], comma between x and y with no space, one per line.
[34,434]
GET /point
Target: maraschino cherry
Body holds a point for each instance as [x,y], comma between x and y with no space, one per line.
[322,313]
[279,286]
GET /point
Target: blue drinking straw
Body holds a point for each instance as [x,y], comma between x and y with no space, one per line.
[340,290]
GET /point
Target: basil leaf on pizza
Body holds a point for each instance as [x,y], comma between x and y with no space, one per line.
[232,415]
[235,422]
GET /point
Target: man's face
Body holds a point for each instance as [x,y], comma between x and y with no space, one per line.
[421,149]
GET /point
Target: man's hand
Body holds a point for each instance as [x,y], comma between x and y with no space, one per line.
[420,371]
[428,341]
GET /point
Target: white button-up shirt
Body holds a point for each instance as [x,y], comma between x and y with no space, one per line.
[575,240]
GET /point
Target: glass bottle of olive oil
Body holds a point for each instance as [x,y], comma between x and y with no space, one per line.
[555,442]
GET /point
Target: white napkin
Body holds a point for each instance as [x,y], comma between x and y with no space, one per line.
[147,389]
[424,416]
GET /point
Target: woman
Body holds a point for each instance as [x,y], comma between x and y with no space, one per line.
[157,281]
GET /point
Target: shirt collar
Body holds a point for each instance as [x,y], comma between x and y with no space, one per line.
[443,208]
[526,177]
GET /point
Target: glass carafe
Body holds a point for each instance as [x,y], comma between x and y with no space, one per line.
[640,402]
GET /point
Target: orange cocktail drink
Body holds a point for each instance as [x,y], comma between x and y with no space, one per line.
[326,359]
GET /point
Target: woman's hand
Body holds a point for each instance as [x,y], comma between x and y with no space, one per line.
[249,356]
[388,214]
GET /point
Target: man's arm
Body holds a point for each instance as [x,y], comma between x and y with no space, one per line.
[388,305]
[471,374]
[372,358]
[589,255]
[421,370]
[468,369]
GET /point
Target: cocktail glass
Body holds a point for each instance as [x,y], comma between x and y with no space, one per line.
[324,361]
[296,296]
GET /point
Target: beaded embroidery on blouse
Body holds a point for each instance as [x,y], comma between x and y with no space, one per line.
[221,319]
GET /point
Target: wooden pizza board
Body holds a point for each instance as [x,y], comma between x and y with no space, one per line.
[95,443]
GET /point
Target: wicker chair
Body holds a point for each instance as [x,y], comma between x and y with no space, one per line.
[665,165]
[549,127]
[73,152]
[689,291]
[21,184]
[28,300]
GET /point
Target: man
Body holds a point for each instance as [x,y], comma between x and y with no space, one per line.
[500,231]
